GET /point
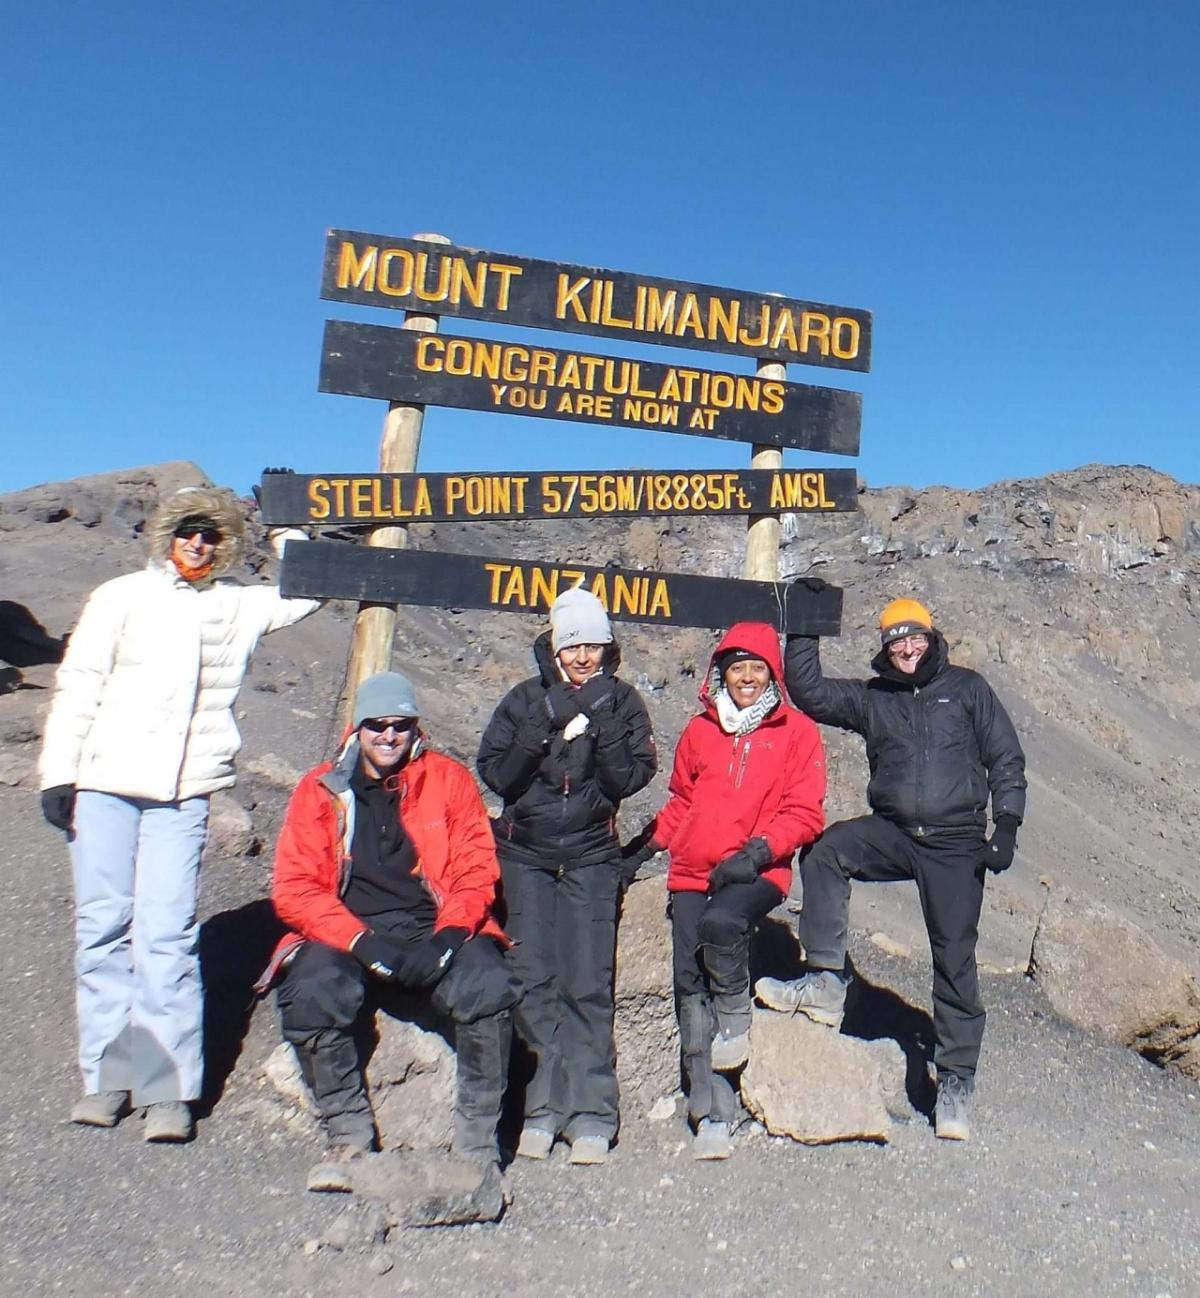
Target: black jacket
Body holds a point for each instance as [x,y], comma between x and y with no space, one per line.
[561,796]
[937,743]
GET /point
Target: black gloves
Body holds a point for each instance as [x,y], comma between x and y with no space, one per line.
[636,853]
[998,850]
[563,704]
[58,805]
[744,866]
[419,963]
[596,694]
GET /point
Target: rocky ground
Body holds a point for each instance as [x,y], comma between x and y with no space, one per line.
[1077,595]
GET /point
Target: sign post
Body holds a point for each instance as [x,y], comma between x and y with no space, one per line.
[399,446]
[763,530]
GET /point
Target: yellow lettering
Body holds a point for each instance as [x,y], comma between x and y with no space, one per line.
[777,500]
[600,589]
[356,272]
[844,326]
[497,570]
[421,278]
[660,310]
[422,504]
[318,499]
[660,601]
[506,276]
[385,284]
[514,590]
[689,317]
[429,353]
[784,331]
[606,316]
[460,281]
[456,490]
[568,296]
[723,319]
[814,326]
[772,398]
[542,588]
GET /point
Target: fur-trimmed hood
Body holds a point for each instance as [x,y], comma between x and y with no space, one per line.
[200,502]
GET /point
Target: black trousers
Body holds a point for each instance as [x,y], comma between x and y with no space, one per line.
[710,948]
[948,872]
[327,999]
[563,923]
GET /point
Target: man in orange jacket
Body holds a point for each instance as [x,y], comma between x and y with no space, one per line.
[385,873]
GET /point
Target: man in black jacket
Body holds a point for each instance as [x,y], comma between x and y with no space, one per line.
[939,744]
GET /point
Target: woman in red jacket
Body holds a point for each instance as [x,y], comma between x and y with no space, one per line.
[747,790]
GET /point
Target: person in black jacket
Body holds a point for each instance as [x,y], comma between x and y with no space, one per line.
[939,744]
[563,749]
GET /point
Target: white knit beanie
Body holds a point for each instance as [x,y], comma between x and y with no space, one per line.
[578,617]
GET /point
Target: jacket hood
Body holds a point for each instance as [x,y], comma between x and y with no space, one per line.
[759,638]
[937,654]
[543,657]
[208,502]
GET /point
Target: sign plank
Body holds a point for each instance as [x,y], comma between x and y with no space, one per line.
[447,280]
[338,570]
[333,500]
[513,378]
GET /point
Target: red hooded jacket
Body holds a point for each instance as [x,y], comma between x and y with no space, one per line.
[725,790]
[444,816]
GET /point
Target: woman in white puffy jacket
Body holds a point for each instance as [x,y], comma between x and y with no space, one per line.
[140,734]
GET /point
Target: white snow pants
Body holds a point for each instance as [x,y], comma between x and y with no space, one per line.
[137,962]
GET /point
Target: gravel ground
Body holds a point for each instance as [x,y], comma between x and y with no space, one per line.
[1082,1178]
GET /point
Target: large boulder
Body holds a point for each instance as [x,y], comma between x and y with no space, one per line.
[815,1085]
[647,1036]
[410,1079]
[1103,973]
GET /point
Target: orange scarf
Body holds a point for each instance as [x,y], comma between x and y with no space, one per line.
[192,575]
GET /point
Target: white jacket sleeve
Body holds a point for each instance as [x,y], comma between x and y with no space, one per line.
[272,609]
[79,684]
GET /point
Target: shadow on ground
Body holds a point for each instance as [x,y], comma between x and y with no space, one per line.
[235,947]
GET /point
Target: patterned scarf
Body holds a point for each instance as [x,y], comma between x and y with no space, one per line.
[744,721]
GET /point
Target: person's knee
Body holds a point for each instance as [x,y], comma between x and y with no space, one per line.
[722,928]
[479,983]
[324,988]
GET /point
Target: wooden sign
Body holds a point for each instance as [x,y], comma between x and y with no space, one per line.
[446,280]
[481,374]
[337,499]
[337,570]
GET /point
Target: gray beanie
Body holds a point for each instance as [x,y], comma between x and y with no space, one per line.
[578,617]
[387,694]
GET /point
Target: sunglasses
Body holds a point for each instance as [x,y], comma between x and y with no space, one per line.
[379,726]
[209,535]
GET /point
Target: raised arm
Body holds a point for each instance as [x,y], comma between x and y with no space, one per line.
[824,698]
[514,743]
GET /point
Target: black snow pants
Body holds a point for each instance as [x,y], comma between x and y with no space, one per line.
[562,920]
[710,940]
[948,871]
[326,999]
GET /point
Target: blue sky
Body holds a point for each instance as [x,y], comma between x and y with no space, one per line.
[1012,188]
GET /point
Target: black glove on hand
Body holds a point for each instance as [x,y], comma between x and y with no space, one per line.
[636,853]
[419,963]
[999,849]
[596,695]
[58,805]
[563,704]
[744,866]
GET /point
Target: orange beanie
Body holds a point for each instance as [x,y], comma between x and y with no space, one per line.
[904,617]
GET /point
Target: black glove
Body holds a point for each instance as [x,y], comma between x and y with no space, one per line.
[744,866]
[419,963]
[58,806]
[636,853]
[596,695]
[814,584]
[563,704]
[998,850]
[257,488]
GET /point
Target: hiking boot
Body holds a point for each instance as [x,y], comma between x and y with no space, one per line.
[535,1142]
[729,1053]
[169,1122]
[333,1174]
[712,1141]
[820,995]
[950,1112]
[104,1109]
[589,1149]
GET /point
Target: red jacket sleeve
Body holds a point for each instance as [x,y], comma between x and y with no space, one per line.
[472,871]
[679,790]
[801,814]
[304,889]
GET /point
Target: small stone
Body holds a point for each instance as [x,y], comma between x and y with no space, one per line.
[311,1247]
[889,946]
[958,1263]
[1149,1144]
[662,1108]
[380,1263]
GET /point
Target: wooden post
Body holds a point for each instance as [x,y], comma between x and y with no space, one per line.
[375,625]
[763,530]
